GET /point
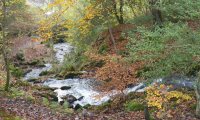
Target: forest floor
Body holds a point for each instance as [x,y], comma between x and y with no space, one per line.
[22,108]
[30,110]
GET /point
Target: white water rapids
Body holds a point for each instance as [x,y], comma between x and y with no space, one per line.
[84,88]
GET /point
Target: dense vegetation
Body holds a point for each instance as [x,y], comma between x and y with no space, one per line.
[121,43]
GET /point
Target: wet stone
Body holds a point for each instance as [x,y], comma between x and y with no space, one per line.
[78,106]
[65,88]
[70,98]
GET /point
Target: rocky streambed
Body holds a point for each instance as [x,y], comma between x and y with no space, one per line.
[81,92]
[76,91]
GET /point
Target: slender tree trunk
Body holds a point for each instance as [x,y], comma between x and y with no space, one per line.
[146,110]
[4,49]
[7,70]
[197,90]
[113,40]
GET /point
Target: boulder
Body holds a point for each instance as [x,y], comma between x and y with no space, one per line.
[70,99]
[27,71]
[70,106]
[77,106]
[32,80]
[43,73]
[72,75]
[79,99]
[130,85]
[65,88]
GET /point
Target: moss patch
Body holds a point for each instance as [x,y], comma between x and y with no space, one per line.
[134,106]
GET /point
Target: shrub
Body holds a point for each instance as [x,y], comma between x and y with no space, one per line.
[103,49]
[159,97]
[174,48]
[134,106]
[15,71]
[180,9]
[45,101]
[15,93]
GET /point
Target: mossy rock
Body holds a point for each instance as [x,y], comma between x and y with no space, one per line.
[72,75]
[44,73]
[34,62]
[32,80]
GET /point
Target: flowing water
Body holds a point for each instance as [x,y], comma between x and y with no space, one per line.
[35,73]
[79,88]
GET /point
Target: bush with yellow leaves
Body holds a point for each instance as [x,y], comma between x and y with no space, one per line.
[160,98]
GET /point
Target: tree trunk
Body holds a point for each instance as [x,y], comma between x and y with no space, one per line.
[156,13]
[146,110]
[121,11]
[4,49]
[113,40]
[7,69]
[197,90]
[119,16]
[157,16]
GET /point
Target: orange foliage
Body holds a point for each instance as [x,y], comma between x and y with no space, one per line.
[117,75]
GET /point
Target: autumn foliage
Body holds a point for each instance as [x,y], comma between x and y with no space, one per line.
[116,74]
[159,97]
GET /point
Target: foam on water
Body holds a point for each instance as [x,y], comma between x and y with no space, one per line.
[84,87]
[61,50]
[79,87]
[35,73]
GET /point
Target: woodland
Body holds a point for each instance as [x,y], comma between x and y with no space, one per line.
[99,59]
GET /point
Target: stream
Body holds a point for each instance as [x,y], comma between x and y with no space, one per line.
[82,89]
